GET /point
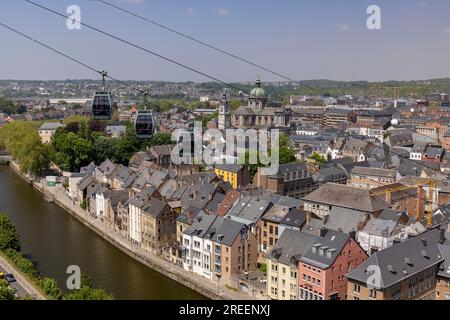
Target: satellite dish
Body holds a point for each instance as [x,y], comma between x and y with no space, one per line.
[394,122]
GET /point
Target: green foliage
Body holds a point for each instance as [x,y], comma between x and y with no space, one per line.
[287,149]
[263,268]
[160,139]
[287,154]
[88,292]
[207,118]
[9,238]
[319,159]
[5,292]
[9,107]
[24,265]
[51,288]
[22,140]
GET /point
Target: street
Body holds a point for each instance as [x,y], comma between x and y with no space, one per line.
[20,291]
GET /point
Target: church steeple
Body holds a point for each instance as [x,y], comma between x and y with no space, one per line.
[224,113]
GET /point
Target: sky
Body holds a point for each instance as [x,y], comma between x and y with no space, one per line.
[301,39]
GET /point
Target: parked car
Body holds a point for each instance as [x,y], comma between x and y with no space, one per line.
[10,278]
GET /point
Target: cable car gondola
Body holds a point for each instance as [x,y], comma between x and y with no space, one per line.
[144,123]
[102,102]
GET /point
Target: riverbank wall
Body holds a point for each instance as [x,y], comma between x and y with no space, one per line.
[194,282]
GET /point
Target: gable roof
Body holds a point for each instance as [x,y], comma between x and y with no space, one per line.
[331,243]
[387,173]
[345,220]
[291,246]
[401,260]
[50,126]
[347,197]
[154,207]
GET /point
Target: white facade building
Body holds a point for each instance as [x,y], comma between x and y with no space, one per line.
[134,222]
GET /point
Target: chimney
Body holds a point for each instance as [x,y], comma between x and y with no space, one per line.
[308,217]
[322,232]
[441,236]
[324,219]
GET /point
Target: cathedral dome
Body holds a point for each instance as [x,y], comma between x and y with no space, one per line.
[258,92]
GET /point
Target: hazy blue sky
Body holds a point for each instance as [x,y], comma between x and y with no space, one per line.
[303,39]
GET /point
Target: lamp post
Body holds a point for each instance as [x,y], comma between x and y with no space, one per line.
[218,283]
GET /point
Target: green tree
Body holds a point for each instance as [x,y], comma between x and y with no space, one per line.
[287,149]
[127,145]
[70,150]
[51,288]
[9,238]
[319,159]
[104,149]
[5,292]
[160,139]
[88,292]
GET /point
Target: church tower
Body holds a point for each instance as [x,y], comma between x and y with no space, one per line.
[224,113]
[258,98]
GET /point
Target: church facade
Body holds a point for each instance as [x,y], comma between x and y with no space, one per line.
[259,113]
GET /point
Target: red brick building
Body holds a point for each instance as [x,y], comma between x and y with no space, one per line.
[322,270]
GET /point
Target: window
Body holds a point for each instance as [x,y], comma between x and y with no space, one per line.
[372,294]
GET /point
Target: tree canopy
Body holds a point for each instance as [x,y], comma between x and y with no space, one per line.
[9,238]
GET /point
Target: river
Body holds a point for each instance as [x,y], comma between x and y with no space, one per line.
[55,240]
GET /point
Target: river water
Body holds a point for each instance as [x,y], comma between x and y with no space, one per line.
[55,240]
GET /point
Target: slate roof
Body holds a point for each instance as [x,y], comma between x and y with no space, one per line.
[189,214]
[332,243]
[228,231]
[444,268]
[89,168]
[285,216]
[230,167]
[98,188]
[401,260]
[106,167]
[154,207]
[214,203]
[330,174]
[380,227]
[85,182]
[409,167]
[124,175]
[201,224]
[50,126]
[442,215]
[291,246]
[249,209]
[345,220]
[141,198]
[347,197]
[116,196]
[288,168]
[387,173]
